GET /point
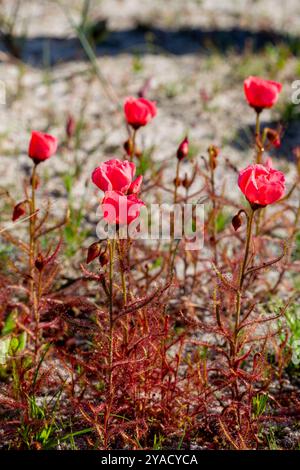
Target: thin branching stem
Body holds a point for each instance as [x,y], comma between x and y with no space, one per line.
[32,255]
[242,277]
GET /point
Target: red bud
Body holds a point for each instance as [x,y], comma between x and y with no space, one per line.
[183,149]
[41,146]
[186,182]
[39,262]
[93,252]
[103,258]
[19,210]
[236,221]
[70,126]
[177,182]
[273,137]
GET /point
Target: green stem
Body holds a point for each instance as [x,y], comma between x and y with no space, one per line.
[259,158]
[124,288]
[123,277]
[111,247]
[242,276]
[258,221]
[257,124]
[213,220]
[32,221]
[172,250]
[248,240]
[238,300]
[133,144]
[32,255]
[111,322]
[257,137]
[176,180]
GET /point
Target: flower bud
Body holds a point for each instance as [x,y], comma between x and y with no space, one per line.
[19,211]
[273,137]
[93,252]
[236,221]
[41,146]
[213,152]
[177,182]
[70,126]
[186,182]
[183,149]
[39,262]
[103,258]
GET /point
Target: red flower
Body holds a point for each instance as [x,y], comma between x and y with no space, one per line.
[183,149]
[139,111]
[261,93]
[41,146]
[120,209]
[116,175]
[261,184]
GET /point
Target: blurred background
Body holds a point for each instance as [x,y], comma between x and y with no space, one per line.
[80,58]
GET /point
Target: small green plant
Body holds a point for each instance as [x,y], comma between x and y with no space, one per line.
[158,442]
[40,432]
[11,345]
[137,63]
[145,162]
[222,220]
[259,404]
[293,321]
[289,324]
[296,252]
[271,438]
